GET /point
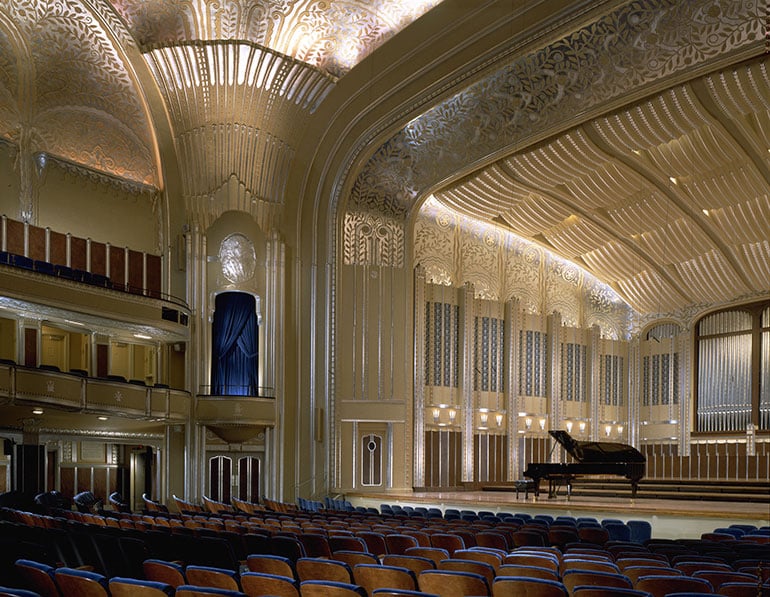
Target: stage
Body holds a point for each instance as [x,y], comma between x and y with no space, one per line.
[670,519]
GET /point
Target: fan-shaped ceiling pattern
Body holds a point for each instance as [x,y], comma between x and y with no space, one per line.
[244,76]
[333,35]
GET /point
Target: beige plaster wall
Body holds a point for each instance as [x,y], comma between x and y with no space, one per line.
[85,208]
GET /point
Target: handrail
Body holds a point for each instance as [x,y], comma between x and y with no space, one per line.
[239,391]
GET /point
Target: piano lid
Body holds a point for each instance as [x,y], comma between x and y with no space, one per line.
[583,451]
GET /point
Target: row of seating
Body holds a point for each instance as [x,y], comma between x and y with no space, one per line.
[622,570]
[224,540]
[69,273]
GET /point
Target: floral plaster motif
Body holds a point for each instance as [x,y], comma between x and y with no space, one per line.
[333,35]
[636,45]
[65,89]
[454,250]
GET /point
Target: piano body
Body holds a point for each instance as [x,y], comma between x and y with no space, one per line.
[591,458]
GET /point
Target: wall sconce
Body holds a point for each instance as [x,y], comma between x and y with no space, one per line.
[568,425]
[620,429]
[542,423]
[608,430]
[484,417]
[499,419]
[582,427]
[452,415]
[436,414]
[528,423]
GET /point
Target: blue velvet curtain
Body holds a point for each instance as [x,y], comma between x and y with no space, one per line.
[235,346]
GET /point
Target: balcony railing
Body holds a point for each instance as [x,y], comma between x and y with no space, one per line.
[237,391]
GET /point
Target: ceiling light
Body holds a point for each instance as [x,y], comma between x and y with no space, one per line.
[37,411]
[705,212]
[143,336]
[673,179]
[102,418]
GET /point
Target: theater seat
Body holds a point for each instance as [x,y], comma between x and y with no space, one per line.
[132,587]
[81,583]
[11,592]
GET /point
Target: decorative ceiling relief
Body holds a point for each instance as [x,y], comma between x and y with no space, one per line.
[66,91]
[634,47]
[636,204]
[454,250]
[332,35]
[241,78]
[238,112]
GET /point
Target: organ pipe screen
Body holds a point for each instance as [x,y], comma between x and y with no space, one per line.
[442,344]
[730,346]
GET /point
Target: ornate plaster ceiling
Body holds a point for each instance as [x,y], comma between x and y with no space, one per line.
[67,90]
[667,200]
[332,35]
[243,77]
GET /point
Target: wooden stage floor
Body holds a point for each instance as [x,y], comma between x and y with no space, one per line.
[670,519]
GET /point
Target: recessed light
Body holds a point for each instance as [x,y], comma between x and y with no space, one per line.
[705,212]
[673,179]
[37,411]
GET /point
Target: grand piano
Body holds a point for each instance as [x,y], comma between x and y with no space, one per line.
[590,458]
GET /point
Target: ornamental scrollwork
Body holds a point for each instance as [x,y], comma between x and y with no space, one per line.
[67,90]
[333,35]
[633,47]
[501,266]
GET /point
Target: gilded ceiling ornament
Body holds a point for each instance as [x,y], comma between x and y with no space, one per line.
[66,84]
[634,47]
[238,113]
[332,35]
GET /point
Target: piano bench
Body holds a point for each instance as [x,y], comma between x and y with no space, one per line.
[524,485]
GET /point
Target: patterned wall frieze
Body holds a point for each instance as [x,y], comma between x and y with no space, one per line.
[636,46]
[97,433]
[67,89]
[454,250]
[333,35]
[97,178]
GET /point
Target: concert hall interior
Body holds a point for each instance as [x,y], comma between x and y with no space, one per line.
[287,251]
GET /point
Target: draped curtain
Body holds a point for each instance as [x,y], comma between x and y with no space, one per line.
[234,346]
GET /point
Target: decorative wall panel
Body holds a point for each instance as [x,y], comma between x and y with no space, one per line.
[455,250]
